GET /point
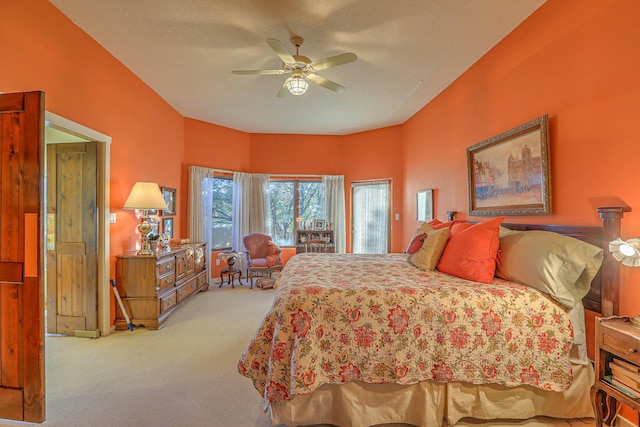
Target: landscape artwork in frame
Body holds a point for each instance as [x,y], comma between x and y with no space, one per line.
[424,205]
[509,173]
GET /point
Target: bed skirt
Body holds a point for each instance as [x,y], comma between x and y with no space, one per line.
[428,404]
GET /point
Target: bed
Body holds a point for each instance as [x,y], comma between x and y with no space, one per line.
[362,340]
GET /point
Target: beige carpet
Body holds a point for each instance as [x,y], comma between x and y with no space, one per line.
[182,375]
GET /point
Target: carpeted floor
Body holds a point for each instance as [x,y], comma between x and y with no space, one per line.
[182,375]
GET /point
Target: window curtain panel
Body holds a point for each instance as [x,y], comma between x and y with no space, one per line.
[240,213]
[199,208]
[335,209]
[260,216]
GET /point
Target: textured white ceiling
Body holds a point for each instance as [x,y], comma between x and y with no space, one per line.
[408,52]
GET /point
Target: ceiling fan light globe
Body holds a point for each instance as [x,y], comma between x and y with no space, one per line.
[297,85]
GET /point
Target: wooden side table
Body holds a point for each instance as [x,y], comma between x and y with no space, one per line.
[615,338]
[230,272]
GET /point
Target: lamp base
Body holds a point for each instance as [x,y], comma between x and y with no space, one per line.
[145,249]
[145,228]
[635,322]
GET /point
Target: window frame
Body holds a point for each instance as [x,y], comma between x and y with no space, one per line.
[296,197]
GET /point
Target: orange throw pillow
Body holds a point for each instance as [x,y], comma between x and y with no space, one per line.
[472,250]
[437,225]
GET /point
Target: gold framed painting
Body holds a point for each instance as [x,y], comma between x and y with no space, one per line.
[509,173]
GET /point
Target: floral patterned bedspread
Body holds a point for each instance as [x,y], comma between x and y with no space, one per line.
[337,318]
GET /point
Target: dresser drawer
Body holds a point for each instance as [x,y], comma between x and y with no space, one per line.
[166,265]
[621,344]
[202,279]
[167,302]
[166,281]
[187,289]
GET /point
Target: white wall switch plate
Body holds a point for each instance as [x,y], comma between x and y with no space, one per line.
[112,218]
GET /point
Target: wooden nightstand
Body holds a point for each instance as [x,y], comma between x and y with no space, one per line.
[614,338]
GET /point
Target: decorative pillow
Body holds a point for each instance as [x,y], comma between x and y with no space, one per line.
[472,250]
[425,227]
[558,265]
[416,243]
[436,224]
[427,256]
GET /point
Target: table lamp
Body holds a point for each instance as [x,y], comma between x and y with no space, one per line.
[628,253]
[145,196]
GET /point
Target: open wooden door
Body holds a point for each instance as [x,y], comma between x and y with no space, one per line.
[21,248]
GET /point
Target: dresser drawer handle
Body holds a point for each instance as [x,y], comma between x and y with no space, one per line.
[633,350]
[167,265]
[167,280]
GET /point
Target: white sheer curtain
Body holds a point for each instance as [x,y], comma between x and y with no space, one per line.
[335,210]
[260,216]
[371,217]
[199,209]
[240,211]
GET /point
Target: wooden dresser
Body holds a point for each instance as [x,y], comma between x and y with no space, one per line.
[153,286]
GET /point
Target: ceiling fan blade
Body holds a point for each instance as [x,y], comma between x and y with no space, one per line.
[258,71]
[325,83]
[333,61]
[284,91]
[281,51]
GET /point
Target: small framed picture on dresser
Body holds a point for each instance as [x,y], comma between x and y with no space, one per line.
[167,227]
[319,224]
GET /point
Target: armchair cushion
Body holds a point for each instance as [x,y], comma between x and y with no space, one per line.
[256,244]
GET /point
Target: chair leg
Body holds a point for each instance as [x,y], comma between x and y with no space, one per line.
[250,279]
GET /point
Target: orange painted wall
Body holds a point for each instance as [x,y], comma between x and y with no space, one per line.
[211,146]
[43,50]
[361,156]
[296,154]
[373,155]
[576,62]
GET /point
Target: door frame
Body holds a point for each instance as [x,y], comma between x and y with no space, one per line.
[103,203]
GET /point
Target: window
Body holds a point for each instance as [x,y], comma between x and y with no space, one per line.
[371,211]
[290,200]
[221,218]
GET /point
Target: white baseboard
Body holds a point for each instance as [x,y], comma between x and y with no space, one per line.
[623,422]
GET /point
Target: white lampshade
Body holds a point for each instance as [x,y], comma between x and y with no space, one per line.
[297,85]
[627,252]
[145,195]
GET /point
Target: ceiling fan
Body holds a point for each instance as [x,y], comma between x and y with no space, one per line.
[302,69]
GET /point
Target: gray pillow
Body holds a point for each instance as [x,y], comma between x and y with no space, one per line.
[558,265]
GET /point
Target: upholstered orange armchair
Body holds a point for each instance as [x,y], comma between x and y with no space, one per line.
[262,255]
